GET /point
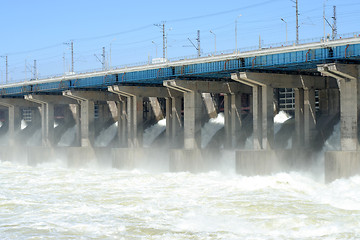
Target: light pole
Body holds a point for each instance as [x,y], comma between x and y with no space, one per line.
[155,48]
[285,30]
[236,31]
[214,40]
[6,70]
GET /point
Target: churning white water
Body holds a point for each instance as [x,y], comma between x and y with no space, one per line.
[151,133]
[53,202]
[106,136]
[279,119]
[68,137]
[210,129]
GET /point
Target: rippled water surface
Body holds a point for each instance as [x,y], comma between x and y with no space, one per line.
[54,202]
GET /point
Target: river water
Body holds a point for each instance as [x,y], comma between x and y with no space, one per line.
[51,201]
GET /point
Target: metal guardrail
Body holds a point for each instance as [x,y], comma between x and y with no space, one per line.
[209,54]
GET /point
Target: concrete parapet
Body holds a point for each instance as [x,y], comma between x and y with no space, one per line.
[144,158]
[341,164]
[265,162]
[193,160]
[82,156]
[13,154]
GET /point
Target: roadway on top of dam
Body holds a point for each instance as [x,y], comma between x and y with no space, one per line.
[297,58]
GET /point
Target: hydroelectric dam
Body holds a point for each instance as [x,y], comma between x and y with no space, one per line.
[316,83]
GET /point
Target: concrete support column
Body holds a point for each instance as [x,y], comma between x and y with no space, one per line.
[168,117]
[232,115]
[299,118]
[349,114]
[122,123]
[87,123]
[209,104]
[75,110]
[14,123]
[257,116]
[173,119]
[192,120]
[267,116]
[309,116]
[135,121]
[155,105]
[47,123]
[177,123]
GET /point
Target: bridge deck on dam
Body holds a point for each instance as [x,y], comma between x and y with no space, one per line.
[300,58]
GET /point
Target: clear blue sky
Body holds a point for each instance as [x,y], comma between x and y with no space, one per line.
[37,29]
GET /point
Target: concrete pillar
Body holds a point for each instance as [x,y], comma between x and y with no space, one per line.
[176,118]
[168,117]
[87,123]
[349,115]
[257,116]
[14,123]
[232,115]
[75,109]
[192,120]
[47,124]
[122,123]
[135,121]
[155,105]
[209,104]
[299,140]
[267,116]
[309,116]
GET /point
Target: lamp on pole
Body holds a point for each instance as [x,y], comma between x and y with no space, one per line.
[155,47]
[285,30]
[236,31]
[214,39]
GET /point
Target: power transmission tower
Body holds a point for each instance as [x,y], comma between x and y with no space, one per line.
[162,27]
[297,22]
[198,43]
[35,71]
[198,40]
[103,59]
[334,27]
[7,71]
[72,56]
[6,68]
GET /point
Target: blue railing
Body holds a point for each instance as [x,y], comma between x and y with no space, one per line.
[292,60]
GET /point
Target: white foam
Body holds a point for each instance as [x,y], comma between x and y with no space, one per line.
[211,128]
[151,133]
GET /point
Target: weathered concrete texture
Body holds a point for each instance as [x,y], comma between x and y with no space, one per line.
[341,164]
[37,155]
[209,105]
[193,160]
[265,162]
[192,120]
[142,158]
[83,156]
[13,154]
[233,121]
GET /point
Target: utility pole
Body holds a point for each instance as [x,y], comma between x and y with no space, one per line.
[162,27]
[72,56]
[334,27]
[103,59]
[7,72]
[6,68]
[297,22]
[198,40]
[35,71]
